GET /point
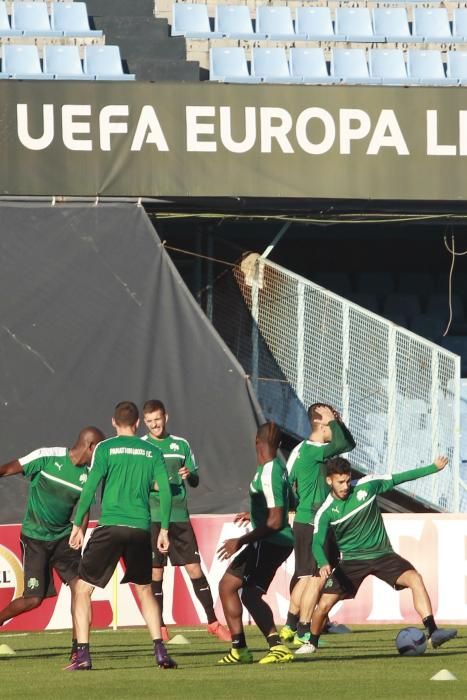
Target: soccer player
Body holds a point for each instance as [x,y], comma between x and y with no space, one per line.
[353,513]
[329,437]
[182,469]
[129,467]
[57,475]
[269,544]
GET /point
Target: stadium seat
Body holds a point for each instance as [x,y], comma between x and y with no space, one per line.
[388,65]
[426,67]
[21,61]
[5,27]
[428,326]
[338,282]
[457,66]
[355,24]
[229,65]
[275,21]
[63,62]
[309,66]
[431,24]
[32,18]
[234,22]
[459,24]
[416,282]
[398,304]
[315,23]
[392,23]
[104,63]
[366,300]
[271,65]
[438,305]
[380,283]
[350,66]
[72,19]
[458,345]
[191,21]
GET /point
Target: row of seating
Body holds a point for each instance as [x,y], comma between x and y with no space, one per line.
[21,61]
[383,24]
[350,66]
[32,19]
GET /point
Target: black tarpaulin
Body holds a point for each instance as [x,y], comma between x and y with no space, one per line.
[92,312]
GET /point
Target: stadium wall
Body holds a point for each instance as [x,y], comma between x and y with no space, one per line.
[69,139]
[435,544]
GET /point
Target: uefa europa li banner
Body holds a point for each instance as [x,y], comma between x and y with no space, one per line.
[435,544]
[204,139]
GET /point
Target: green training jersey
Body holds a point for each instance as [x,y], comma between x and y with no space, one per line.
[307,472]
[357,521]
[56,485]
[270,489]
[177,453]
[128,467]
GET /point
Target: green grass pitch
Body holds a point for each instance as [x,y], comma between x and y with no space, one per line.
[361,665]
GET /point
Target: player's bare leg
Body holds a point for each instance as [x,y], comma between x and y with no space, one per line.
[82,615]
[252,598]
[422,604]
[313,585]
[19,606]
[318,621]
[203,593]
[150,613]
[229,587]
[158,593]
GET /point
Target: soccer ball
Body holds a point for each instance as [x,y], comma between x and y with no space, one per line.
[411,642]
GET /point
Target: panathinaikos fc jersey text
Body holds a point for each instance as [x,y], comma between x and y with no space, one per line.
[128,466]
[308,473]
[177,453]
[56,485]
[270,489]
[357,521]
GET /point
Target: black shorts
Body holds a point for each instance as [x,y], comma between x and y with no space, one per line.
[305,563]
[348,576]
[183,547]
[257,564]
[109,543]
[40,557]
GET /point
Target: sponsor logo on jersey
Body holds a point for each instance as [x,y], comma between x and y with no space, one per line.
[335,510]
[174,447]
[58,465]
[32,583]
[361,495]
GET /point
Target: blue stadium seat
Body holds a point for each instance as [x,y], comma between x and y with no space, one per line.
[351,67]
[459,23]
[388,65]
[229,65]
[21,61]
[315,23]
[234,21]
[438,305]
[416,282]
[426,67]
[309,66]
[457,66]
[337,282]
[458,345]
[431,24]
[33,19]
[367,300]
[104,63]
[355,24]
[275,21]
[5,27]
[271,65]
[63,62]
[192,21]
[398,304]
[377,282]
[72,19]
[428,326]
[392,23]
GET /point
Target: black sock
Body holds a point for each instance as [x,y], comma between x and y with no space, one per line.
[156,642]
[430,625]
[314,639]
[74,644]
[292,621]
[273,639]
[303,628]
[82,647]
[239,641]
[156,588]
[203,593]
